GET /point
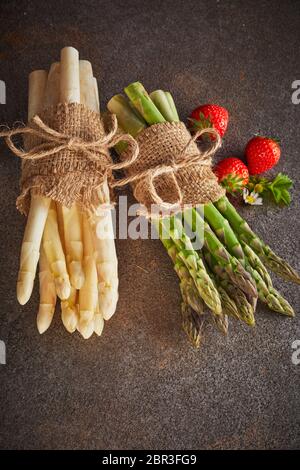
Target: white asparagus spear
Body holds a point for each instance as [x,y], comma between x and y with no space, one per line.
[90,317]
[88,294]
[52,242]
[106,257]
[69,311]
[52,94]
[39,205]
[46,280]
[55,254]
[70,93]
[69,76]
[98,320]
[105,250]
[101,221]
[47,294]
[87,89]
[74,245]
[97,95]
[36,92]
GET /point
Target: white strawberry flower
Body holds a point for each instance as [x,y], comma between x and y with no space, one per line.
[252,198]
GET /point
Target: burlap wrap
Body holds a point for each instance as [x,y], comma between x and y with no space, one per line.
[66,155]
[67,158]
[171,171]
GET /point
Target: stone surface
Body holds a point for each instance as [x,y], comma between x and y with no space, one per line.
[141,385]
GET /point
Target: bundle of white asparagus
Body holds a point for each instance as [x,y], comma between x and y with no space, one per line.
[76,264]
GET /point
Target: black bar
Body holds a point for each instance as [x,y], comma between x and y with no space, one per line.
[140,458]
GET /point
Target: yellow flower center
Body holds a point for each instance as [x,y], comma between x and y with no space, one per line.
[250,199]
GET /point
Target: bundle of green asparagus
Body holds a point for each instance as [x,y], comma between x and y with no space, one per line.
[225,277]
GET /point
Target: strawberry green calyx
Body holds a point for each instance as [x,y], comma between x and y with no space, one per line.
[209,116]
[201,123]
[233,183]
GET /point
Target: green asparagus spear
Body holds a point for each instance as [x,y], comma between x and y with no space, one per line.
[267,294]
[238,275]
[244,232]
[244,309]
[192,324]
[173,228]
[143,103]
[172,106]
[238,249]
[223,230]
[188,288]
[190,294]
[256,263]
[221,322]
[127,118]
[271,296]
[162,103]
[252,263]
[229,306]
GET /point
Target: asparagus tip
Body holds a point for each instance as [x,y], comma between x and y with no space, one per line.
[69,318]
[44,317]
[63,288]
[86,328]
[24,290]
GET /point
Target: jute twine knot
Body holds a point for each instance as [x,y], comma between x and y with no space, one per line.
[66,156]
[55,142]
[171,170]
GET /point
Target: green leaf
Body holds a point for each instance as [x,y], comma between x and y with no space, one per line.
[286,197]
[278,188]
[282,180]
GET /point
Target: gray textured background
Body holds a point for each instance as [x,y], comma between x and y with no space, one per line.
[141,385]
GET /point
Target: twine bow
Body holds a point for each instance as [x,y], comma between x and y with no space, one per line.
[146,178]
[55,142]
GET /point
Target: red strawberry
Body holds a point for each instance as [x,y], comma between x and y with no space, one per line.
[262,154]
[232,173]
[209,115]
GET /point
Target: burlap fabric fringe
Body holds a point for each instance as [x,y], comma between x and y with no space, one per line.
[66,155]
[171,172]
